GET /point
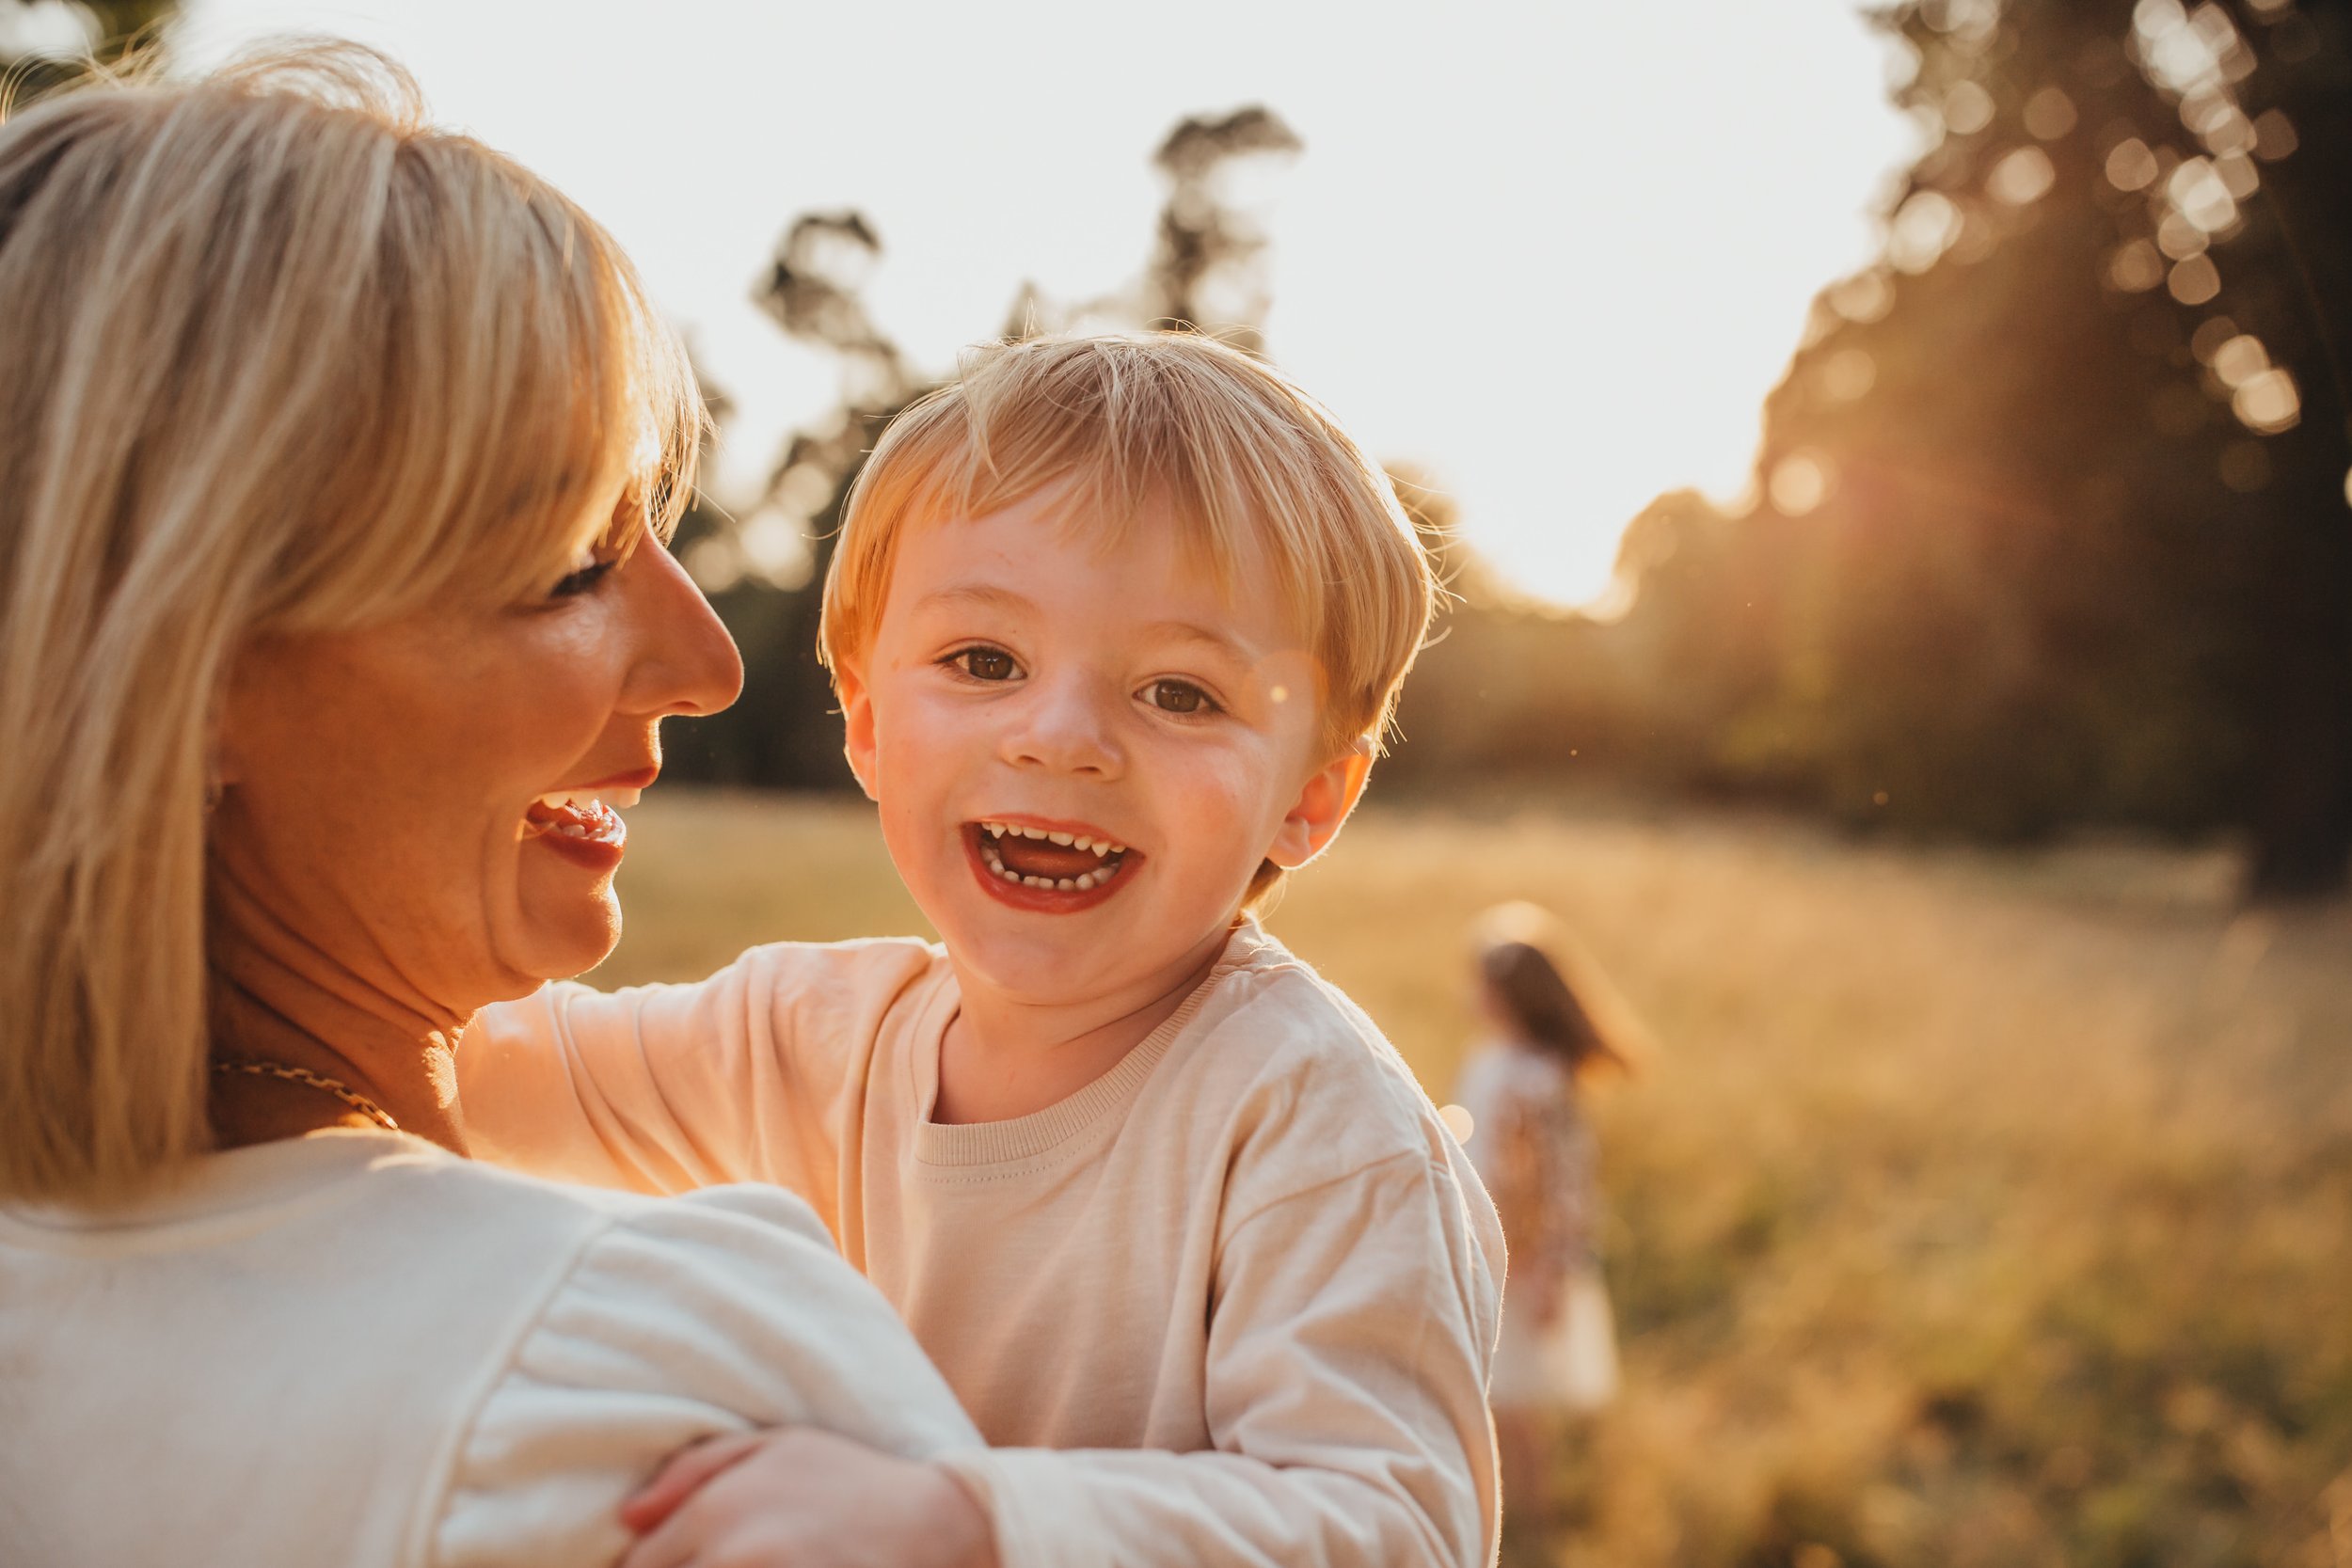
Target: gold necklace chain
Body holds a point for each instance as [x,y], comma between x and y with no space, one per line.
[304,1076]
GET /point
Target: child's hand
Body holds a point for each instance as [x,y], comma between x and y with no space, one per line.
[798,1497]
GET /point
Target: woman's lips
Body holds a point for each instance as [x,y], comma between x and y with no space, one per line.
[580,824]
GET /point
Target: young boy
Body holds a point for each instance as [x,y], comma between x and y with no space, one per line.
[1115,625]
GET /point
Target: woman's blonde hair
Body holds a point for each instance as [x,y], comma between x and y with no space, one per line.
[282,358]
[1162,425]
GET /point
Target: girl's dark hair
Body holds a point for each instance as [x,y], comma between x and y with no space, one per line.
[1538,999]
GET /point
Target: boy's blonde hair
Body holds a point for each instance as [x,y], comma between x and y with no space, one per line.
[1159,425]
[282,358]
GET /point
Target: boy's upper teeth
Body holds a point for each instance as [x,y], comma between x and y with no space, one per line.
[1078,840]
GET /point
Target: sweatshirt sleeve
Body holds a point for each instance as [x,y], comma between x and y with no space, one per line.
[741,1077]
[1352,1336]
[715,1313]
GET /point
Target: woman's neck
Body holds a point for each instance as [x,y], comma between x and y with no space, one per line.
[408,1075]
[282,1000]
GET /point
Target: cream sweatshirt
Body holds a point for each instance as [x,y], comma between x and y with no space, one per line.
[1246,1279]
[354,1348]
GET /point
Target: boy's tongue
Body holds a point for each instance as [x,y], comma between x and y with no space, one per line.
[1042,856]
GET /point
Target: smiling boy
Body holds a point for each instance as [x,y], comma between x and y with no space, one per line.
[1116,625]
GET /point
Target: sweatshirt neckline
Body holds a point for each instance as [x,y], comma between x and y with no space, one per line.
[968,1147]
[231,1180]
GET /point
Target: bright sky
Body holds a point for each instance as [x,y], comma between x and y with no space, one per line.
[1554,252]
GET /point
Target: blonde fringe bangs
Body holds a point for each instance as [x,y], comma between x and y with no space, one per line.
[283,359]
[1133,429]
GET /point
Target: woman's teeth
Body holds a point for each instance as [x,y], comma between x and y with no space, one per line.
[1108,855]
[592,799]
[583,814]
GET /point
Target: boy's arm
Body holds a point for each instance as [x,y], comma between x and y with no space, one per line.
[1354,1330]
[665,1089]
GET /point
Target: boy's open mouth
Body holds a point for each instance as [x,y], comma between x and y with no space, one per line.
[1045,860]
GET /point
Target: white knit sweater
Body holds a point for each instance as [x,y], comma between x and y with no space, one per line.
[355,1348]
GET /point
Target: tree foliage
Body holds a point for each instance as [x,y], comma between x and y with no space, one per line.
[2051,522]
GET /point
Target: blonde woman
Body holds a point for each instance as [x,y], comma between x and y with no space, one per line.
[336,458]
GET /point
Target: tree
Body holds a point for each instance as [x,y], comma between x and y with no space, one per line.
[2053,523]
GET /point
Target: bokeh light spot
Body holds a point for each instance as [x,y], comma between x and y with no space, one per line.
[2268,402]
[2023,176]
[2274,136]
[2131,167]
[2238,175]
[2240,359]
[2230,133]
[1800,481]
[1458,1121]
[2135,267]
[2195,188]
[1849,374]
[2181,238]
[774,548]
[1922,230]
[2195,280]
[2049,113]
[2211,334]
[1967,108]
[714,564]
[1864,297]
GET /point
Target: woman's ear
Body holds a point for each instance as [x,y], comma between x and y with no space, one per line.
[245,686]
[857,723]
[1321,810]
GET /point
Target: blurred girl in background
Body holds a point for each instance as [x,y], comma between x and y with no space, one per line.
[1523,1087]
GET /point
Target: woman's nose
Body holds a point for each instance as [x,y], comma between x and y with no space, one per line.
[1065,725]
[686,663]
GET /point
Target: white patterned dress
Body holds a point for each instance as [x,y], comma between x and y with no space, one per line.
[1537,1156]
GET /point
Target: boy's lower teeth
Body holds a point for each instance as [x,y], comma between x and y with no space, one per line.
[1085,882]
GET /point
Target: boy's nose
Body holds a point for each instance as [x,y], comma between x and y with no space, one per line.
[1067,727]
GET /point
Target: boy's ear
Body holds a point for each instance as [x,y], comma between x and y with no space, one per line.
[857,723]
[1322,807]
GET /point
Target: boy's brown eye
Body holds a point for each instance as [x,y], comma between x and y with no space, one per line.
[1178,697]
[986,664]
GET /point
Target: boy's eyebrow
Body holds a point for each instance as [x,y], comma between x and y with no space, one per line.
[1192,632]
[983,593]
[990,596]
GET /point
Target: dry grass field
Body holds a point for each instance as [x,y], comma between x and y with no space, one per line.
[1972,1212]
